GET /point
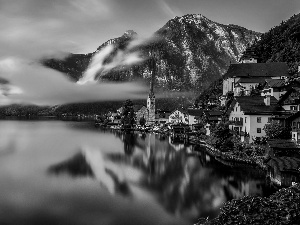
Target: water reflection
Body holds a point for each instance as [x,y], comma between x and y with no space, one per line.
[90,163]
[184,179]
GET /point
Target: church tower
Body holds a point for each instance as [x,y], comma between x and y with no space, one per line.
[151,97]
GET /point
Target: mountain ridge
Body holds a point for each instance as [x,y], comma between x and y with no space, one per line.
[189,52]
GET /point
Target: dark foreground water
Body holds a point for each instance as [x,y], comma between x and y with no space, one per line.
[54,172]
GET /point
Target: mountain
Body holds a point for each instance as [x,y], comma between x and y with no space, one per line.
[187,53]
[281,44]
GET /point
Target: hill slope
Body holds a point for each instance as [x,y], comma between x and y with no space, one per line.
[188,53]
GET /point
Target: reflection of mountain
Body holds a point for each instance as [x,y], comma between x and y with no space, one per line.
[90,163]
[182,185]
[192,185]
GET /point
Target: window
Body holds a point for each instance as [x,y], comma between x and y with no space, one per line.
[293,107]
[294,124]
[245,119]
[258,130]
[236,109]
[298,124]
[269,119]
[259,119]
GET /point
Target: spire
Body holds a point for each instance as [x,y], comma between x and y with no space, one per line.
[153,65]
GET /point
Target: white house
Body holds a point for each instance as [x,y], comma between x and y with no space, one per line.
[178,117]
[249,75]
[249,114]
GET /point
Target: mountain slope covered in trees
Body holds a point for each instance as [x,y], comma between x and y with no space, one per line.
[187,53]
[281,44]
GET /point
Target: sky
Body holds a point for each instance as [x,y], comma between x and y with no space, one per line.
[31,29]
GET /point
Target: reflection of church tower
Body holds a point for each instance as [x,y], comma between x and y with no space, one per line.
[151,97]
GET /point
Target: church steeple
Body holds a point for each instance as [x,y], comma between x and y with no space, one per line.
[151,96]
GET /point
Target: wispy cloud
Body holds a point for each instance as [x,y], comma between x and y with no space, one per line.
[33,28]
[35,84]
[129,56]
[171,11]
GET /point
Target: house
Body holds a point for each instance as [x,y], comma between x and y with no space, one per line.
[274,87]
[178,116]
[282,147]
[284,171]
[294,122]
[212,116]
[162,116]
[249,75]
[142,112]
[194,115]
[249,114]
[291,99]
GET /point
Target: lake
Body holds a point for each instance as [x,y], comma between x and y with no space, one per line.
[67,172]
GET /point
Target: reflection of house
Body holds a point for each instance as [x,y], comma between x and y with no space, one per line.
[178,117]
[249,114]
[281,147]
[243,188]
[283,171]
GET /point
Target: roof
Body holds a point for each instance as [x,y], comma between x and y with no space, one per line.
[251,80]
[289,96]
[273,83]
[249,53]
[213,113]
[267,70]
[256,105]
[282,144]
[137,107]
[285,163]
[195,112]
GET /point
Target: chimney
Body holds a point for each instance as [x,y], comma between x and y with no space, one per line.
[267,100]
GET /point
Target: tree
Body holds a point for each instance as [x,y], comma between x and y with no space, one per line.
[142,121]
[127,118]
[275,130]
[223,137]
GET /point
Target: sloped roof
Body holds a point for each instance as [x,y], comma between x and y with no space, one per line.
[285,163]
[285,96]
[137,107]
[256,105]
[273,83]
[273,69]
[251,80]
[195,112]
[249,53]
[213,113]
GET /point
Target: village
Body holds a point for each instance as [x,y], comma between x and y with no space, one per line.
[256,120]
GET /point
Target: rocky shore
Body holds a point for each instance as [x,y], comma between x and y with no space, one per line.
[280,208]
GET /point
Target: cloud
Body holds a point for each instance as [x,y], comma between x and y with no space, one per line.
[35,84]
[130,56]
[34,28]
[168,10]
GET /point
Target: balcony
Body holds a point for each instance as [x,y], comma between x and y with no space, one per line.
[236,122]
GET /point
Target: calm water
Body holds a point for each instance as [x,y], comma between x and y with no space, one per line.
[54,172]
